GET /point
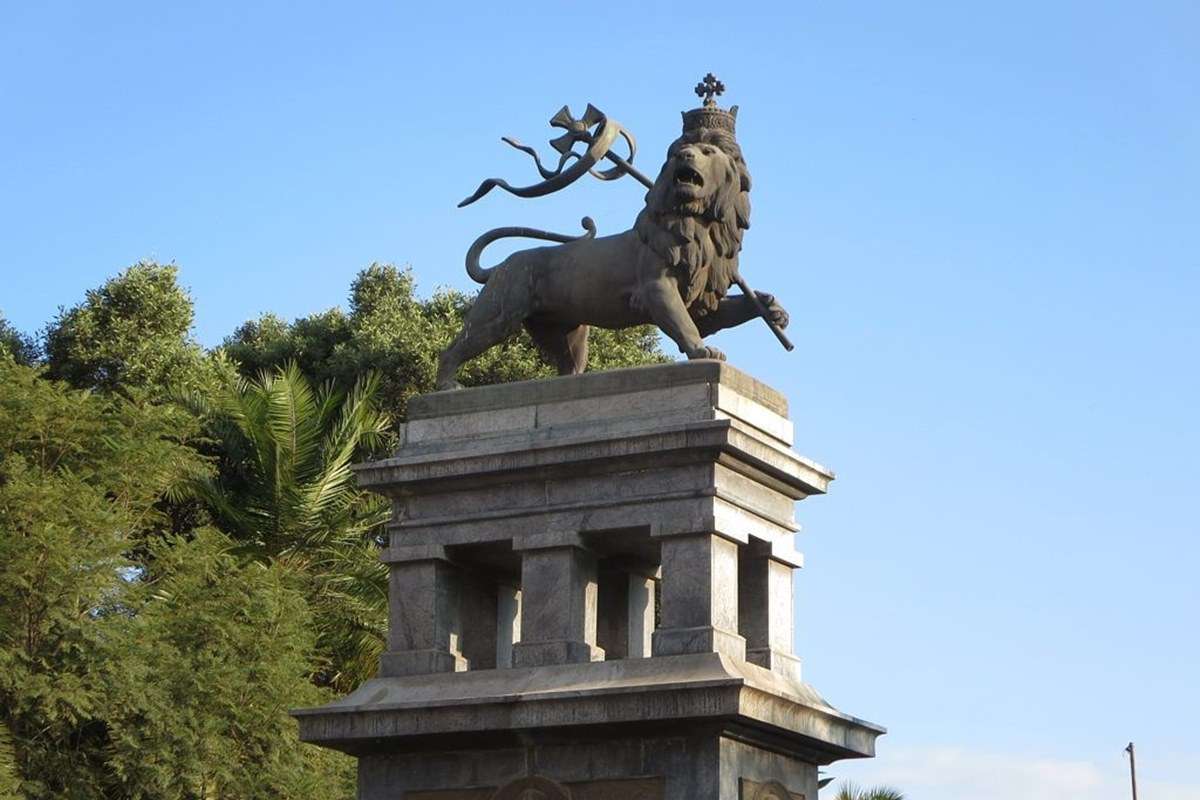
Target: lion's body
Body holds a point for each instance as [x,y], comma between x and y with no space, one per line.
[585,282]
[673,268]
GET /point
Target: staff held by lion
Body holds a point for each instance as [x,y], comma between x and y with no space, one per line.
[673,268]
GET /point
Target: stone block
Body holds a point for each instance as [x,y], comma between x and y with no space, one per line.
[423,607]
[698,639]
[625,617]
[765,601]
[778,661]
[562,651]
[508,623]
[397,663]
[558,607]
[699,596]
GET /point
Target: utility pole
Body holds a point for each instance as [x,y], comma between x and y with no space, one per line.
[1132,770]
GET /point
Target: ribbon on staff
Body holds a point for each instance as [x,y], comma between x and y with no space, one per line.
[599,143]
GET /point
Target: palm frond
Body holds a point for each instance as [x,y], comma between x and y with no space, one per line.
[295,500]
[850,791]
[292,424]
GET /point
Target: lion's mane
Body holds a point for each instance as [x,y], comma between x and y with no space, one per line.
[701,240]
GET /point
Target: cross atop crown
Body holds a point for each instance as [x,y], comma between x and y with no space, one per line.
[709,115]
[709,88]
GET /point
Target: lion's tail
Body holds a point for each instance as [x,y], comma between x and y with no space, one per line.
[481,275]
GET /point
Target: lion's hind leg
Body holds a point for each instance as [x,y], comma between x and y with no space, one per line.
[565,347]
[496,314]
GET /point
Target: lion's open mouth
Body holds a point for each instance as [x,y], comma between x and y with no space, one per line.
[686,174]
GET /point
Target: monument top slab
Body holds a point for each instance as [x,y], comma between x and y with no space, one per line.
[597,384]
[639,418]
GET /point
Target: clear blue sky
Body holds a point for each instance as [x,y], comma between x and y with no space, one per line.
[982,217]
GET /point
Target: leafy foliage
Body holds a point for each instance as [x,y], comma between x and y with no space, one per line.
[99,644]
[16,345]
[10,784]
[132,332]
[224,649]
[175,575]
[286,492]
[392,332]
[849,791]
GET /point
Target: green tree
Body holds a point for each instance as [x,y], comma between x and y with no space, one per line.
[79,476]
[849,791]
[10,783]
[127,661]
[199,706]
[132,332]
[390,330]
[144,654]
[286,492]
[16,345]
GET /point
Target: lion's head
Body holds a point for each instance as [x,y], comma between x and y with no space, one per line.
[695,214]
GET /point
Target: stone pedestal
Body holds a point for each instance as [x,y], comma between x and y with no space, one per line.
[558,611]
[537,529]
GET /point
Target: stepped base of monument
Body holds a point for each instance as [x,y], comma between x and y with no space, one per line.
[665,727]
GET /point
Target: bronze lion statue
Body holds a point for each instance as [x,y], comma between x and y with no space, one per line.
[673,268]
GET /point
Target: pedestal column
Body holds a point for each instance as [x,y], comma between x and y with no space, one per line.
[626,611]
[640,632]
[424,622]
[699,596]
[765,609]
[558,603]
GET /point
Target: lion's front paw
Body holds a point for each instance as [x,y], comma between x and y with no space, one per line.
[706,351]
[775,312]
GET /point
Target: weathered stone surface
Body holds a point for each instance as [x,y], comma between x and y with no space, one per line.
[465,706]
[772,790]
[700,597]
[535,526]
[425,625]
[420,662]
[480,605]
[626,612]
[558,611]
[665,377]
[621,789]
[765,610]
[532,786]
[508,622]
[612,613]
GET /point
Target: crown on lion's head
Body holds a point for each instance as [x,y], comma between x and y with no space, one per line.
[696,212]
